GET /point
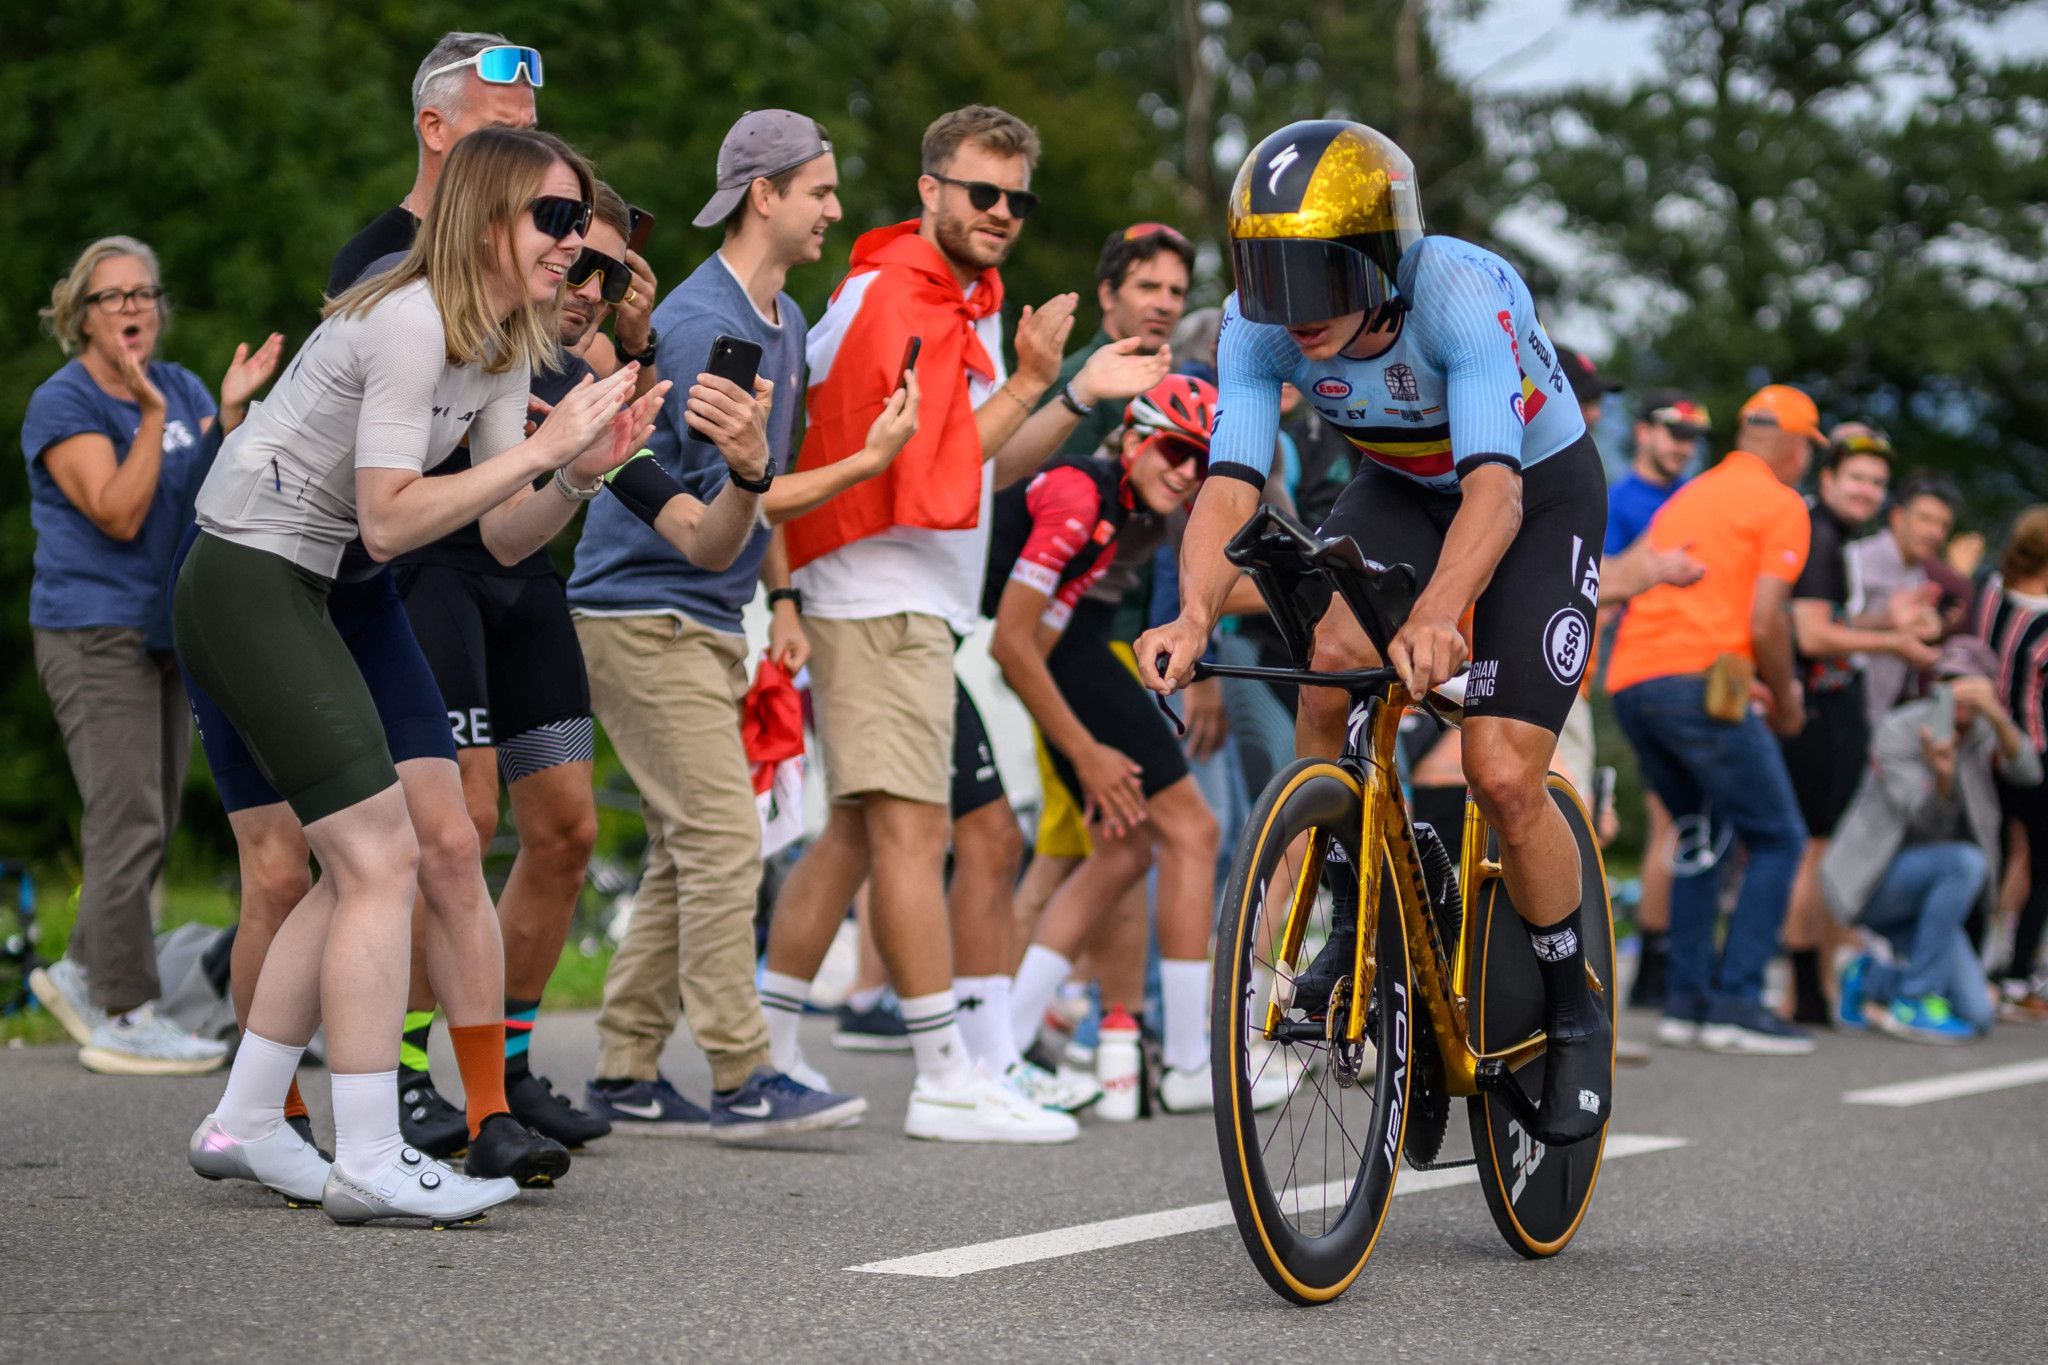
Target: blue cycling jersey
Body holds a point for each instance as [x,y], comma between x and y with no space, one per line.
[1471,379]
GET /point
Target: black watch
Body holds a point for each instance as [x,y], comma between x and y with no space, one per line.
[755,486]
[792,596]
[645,357]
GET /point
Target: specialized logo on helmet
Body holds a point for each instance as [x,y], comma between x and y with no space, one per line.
[1332,387]
[1282,159]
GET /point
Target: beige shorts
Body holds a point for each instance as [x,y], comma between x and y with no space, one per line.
[1575,747]
[882,690]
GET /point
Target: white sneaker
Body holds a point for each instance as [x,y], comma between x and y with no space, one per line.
[1189,1092]
[986,1110]
[808,1076]
[283,1162]
[61,989]
[1676,1032]
[413,1186]
[143,1043]
[1065,1090]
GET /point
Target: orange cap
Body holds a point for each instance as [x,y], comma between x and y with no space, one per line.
[1784,407]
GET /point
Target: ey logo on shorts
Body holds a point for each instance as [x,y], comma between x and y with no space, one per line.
[1567,640]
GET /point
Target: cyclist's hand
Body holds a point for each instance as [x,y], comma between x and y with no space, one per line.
[1182,642]
[1109,784]
[1428,649]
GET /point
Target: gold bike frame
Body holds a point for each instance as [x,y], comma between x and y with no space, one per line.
[1443,973]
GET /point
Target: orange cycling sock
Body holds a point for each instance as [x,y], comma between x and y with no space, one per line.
[294,1102]
[480,1052]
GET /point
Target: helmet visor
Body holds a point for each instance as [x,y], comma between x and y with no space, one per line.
[1292,281]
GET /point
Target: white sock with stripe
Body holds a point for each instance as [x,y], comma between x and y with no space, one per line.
[782,1005]
[941,1049]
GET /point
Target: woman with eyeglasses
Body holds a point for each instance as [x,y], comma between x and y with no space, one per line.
[404,365]
[115,443]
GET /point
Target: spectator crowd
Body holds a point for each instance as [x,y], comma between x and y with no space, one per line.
[1835,701]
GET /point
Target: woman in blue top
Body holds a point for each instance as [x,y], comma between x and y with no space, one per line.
[115,444]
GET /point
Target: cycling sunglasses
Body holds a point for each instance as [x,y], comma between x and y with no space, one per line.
[1863,445]
[983,196]
[1178,452]
[497,66]
[557,217]
[617,277]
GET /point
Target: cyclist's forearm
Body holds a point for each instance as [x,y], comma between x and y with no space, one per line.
[1221,510]
[1488,518]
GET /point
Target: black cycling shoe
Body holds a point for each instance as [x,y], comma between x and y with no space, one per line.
[303,1126]
[427,1122]
[533,1102]
[507,1147]
[1339,955]
[1578,1076]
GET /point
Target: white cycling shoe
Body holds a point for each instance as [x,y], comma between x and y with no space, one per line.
[414,1186]
[284,1163]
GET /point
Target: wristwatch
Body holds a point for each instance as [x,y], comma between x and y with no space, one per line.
[1073,404]
[571,491]
[755,486]
[645,357]
[793,596]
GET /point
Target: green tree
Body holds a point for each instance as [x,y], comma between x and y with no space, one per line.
[1846,197]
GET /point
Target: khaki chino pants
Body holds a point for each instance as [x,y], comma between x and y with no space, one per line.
[668,693]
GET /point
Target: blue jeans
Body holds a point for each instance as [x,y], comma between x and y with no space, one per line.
[1920,907]
[1735,775]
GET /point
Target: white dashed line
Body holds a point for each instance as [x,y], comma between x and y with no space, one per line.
[1146,1227]
[1953,1086]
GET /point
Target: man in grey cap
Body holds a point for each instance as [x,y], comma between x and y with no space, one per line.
[661,637]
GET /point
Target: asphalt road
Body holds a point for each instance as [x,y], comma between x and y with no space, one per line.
[1790,1226]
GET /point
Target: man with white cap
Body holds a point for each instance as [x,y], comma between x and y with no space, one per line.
[667,661]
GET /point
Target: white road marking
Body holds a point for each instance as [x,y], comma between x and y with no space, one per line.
[1954,1086]
[1146,1227]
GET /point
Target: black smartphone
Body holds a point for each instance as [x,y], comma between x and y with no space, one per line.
[910,351]
[640,225]
[732,359]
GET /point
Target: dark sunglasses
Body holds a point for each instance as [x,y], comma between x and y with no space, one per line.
[557,217]
[1178,452]
[617,277]
[983,196]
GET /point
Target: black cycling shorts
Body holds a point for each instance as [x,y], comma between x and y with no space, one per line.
[1827,758]
[976,783]
[504,652]
[1111,704]
[1532,629]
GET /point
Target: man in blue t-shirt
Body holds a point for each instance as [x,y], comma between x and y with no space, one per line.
[667,660]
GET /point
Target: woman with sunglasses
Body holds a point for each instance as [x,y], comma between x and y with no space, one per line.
[116,442]
[404,365]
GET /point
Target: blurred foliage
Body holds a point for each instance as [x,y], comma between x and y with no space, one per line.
[247,139]
[1851,198]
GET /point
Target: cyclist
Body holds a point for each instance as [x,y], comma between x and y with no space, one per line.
[1427,355]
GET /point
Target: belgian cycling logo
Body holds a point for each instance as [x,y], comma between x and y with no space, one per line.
[1332,387]
[1566,642]
[1401,385]
[1282,159]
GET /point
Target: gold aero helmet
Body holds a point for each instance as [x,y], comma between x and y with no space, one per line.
[1320,216]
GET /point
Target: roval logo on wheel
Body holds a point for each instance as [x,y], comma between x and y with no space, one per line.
[1566,643]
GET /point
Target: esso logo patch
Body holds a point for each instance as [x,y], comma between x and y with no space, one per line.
[1332,387]
[1567,641]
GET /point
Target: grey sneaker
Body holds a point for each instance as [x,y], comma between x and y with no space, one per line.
[770,1104]
[61,989]
[413,1186]
[284,1162]
[143,1043]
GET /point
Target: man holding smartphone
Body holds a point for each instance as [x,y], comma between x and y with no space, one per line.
[662,639]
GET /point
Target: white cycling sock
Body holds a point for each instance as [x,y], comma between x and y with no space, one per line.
[941,1049]
[1184,1000]
[985,1020]
[782,1004]
[1038,980]
[365,1121]
[253,1104]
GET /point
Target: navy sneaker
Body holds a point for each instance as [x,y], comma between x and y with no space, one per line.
[878,1028]
[653,1107]
[1746,1027]
[770,1104]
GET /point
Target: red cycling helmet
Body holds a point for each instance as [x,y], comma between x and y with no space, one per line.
[1179,409]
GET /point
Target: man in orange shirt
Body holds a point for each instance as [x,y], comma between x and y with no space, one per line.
[1743,520]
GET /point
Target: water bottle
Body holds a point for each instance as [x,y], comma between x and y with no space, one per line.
[1117,1067]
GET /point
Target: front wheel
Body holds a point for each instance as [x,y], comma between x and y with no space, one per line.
[1308,1124]
[1537,1194]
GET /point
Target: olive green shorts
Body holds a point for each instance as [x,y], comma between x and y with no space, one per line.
[252,630]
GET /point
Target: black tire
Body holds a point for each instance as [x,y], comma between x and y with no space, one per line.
[1283,1182]
[1538,1195]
